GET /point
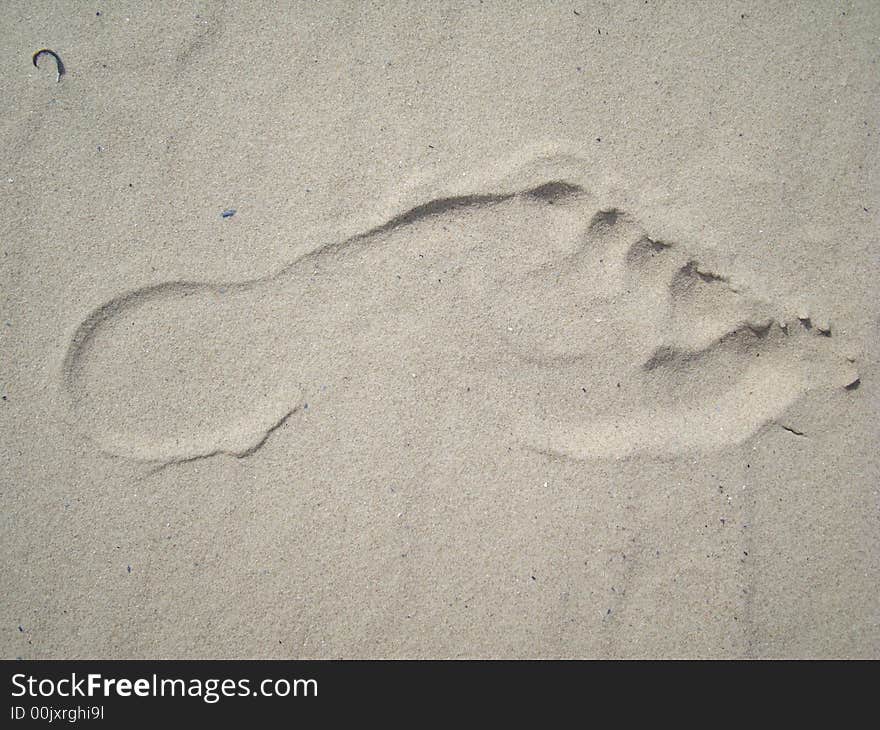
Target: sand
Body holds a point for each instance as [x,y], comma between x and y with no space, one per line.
[538,330]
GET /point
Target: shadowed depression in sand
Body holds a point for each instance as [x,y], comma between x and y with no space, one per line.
[629,343]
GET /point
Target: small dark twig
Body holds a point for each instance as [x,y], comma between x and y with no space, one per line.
[58,62]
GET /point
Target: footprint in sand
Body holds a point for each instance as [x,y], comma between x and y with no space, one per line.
[587,335]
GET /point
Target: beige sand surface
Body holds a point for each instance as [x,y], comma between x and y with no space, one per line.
[540,330]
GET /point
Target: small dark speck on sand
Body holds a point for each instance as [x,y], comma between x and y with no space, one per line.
[228,213]
[129,569]
[21,628]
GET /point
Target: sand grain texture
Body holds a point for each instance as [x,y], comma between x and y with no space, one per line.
[534,333]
